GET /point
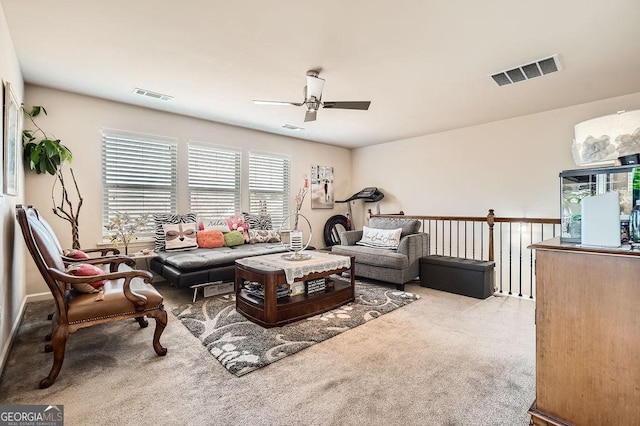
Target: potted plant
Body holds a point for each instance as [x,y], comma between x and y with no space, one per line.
[48,155]
[124,228]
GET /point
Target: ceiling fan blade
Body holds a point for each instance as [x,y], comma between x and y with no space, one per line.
[310,116]
[362,105]
[259,102]
[314,87]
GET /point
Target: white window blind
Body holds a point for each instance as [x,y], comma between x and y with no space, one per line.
[139,175]
[214,181]
[269,177]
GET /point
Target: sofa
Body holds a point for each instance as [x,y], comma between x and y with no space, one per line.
[383,261]
[191,251]
[206,265]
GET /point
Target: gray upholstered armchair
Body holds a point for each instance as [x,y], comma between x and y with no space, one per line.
[397,266]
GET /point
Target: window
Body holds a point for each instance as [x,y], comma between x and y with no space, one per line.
[269,185]
[214,181]
[138,175]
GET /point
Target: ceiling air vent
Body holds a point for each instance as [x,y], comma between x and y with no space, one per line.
[292,127]
[154,95]
[525,72]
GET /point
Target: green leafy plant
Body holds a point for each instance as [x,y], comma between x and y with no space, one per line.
[47,154]
[124,228]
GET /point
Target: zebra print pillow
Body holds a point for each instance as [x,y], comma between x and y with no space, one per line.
[258,221]
[162,218]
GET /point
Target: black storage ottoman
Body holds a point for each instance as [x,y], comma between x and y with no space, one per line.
[468,277]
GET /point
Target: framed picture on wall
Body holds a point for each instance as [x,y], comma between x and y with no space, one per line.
[2,137]
[11,139]
[321,187]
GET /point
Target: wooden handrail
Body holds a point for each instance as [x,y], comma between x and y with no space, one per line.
[546,220]
[422,217]
[473,218]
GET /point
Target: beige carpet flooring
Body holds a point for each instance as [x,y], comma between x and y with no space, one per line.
[442,360]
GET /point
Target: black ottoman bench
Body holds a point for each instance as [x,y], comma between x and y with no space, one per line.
[468,277]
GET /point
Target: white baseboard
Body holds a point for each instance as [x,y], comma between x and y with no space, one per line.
[16,324]
[39,297]
[12,335]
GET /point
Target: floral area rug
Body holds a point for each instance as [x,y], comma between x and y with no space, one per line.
[242,346]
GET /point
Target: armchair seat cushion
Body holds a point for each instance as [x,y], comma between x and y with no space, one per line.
[84,307]
[374,256]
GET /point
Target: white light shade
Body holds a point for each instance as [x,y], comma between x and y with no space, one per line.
[604,139]
[314,87]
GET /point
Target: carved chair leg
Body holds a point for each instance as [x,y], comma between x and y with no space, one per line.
[143,322]
[58,344]
[161,322]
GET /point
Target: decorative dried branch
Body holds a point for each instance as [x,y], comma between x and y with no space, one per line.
[65,209]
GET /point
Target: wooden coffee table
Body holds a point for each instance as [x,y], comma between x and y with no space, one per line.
[272,311]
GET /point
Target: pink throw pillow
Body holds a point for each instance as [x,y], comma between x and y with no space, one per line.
[76,254]
[86,270]
[237,223]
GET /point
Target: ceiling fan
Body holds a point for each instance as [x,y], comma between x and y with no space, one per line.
[313,99]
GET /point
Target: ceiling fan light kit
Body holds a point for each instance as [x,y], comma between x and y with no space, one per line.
[313,99]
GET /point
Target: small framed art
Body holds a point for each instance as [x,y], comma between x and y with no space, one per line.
[321,187]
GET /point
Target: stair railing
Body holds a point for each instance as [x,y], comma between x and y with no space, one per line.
[503,240]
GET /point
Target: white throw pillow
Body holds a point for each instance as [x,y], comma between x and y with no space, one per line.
[162,218]
[180,236]
[380,238]
[205,224]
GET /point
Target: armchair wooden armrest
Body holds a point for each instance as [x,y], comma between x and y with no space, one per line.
[114,262]
[138,300]
[104,252]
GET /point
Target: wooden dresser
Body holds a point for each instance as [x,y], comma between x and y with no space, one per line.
[587,336]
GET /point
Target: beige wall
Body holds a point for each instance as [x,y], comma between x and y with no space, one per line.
[511,165]
[77,120]
[12,290]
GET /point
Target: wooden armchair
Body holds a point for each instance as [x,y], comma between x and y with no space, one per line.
[127,293]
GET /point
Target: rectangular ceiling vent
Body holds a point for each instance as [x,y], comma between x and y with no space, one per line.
[292,127]
[528,71]
[154,95]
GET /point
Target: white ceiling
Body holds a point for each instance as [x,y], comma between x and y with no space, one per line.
[423,64]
